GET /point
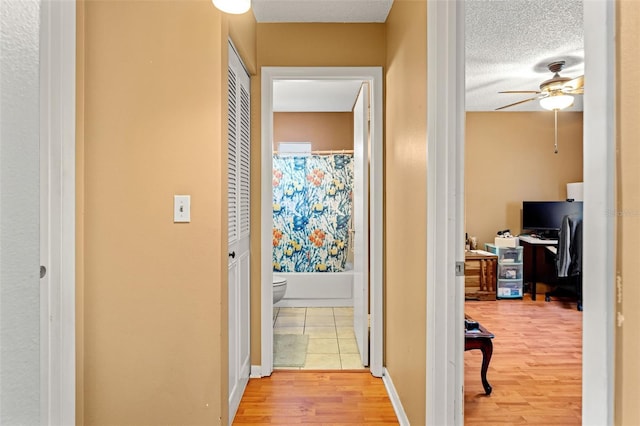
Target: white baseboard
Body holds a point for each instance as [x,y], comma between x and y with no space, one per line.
[395,399]
[256,372]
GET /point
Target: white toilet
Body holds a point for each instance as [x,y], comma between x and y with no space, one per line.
[279,287]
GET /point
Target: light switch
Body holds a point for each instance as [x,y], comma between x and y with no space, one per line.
[181,208]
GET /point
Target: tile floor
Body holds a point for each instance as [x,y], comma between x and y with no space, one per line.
[332,343]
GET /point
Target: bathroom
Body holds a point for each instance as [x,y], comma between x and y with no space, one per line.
[313,232]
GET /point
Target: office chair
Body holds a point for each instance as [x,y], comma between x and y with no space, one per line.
[568,260]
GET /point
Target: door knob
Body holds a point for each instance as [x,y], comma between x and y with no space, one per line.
[232,255]
[43,271]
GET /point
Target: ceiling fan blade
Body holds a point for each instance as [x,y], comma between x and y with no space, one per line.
[521,91]
[573,84]
[519,102]
[579,91]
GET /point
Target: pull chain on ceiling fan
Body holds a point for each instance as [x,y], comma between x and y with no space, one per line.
[555,94]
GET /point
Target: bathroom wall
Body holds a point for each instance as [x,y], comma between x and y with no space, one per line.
[325,130]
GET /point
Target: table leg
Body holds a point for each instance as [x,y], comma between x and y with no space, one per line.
[534,272]
[486,347]
[487,351]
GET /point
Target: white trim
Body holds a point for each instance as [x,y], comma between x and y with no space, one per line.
[395,399]
[256,372]
[374,76]
[58,158]
[599,193]
[445,199]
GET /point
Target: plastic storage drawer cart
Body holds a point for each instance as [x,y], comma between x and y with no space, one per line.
[510,269]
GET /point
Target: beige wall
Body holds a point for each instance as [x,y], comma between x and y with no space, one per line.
[152,297]
[627,376]
[316,45]
[509,158]
[325,130]
[298,45]
[405,205]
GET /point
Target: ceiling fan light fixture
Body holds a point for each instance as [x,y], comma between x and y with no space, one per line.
[556,102]
[235,7]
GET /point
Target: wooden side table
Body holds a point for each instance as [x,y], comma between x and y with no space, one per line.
[480,275]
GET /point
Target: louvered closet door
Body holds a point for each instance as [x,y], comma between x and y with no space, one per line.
[239,229]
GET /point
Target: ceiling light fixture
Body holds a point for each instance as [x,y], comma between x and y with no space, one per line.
[235,7]
[556,101]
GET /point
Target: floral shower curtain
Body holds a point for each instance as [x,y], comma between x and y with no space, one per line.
[312,205]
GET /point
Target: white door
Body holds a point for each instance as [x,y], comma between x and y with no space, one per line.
[361,223]
[20,363]
[239,229]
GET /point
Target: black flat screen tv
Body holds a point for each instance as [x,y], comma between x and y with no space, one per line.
[545,217]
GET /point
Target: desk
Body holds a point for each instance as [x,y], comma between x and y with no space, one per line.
[533,244]
[480,338]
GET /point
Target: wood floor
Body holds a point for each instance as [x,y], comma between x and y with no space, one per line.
[536,368]
[535,372]
[316,397]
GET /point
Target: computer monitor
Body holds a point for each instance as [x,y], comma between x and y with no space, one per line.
[545,217]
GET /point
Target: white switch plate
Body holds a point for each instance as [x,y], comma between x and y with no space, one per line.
[181,208]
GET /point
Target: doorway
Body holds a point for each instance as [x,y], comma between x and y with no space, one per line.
[447,102]
[518,142]
[38,209]
[371,317]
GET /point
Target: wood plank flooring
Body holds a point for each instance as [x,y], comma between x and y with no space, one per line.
[316,397]
[536,368]
[535,371]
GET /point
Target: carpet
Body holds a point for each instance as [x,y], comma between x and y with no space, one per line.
[290,350]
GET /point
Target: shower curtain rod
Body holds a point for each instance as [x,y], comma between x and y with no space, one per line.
[325,152]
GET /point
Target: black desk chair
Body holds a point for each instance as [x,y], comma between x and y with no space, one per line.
[568,260]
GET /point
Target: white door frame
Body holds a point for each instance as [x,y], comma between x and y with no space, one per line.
[446,124]
[373,75]
[58,168]
[445,208]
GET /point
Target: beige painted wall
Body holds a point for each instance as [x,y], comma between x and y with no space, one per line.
[298,45]
[509,158]
[406,205]
[152,109]
[627,376]
[325,130]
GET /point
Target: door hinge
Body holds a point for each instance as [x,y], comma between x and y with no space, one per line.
[459,269]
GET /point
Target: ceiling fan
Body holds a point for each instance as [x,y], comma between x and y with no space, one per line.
[555,94]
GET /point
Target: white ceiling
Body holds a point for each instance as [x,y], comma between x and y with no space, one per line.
[321,10]
[508,46]
[315,95]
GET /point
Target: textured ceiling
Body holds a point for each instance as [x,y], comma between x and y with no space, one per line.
[509,44]
[321,10]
